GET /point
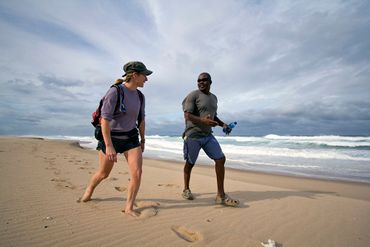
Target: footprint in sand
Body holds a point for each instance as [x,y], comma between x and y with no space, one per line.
[186,234]
[145,213]
[147,209]
[57,180]
[168,185]
[120,189]
[50,168]
[63,183]
[145,204]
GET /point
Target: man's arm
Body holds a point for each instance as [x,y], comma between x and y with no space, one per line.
[200,120]
[220,122]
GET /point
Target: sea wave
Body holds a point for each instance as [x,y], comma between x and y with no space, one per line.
[241,147]
[329,140]
[326,156]
[232,150]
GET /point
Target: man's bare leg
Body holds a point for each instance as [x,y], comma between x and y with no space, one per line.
[220,174]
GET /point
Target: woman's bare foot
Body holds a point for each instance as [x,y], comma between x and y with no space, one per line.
[131,213]
[86,197]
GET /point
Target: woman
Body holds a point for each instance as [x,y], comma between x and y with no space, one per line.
[120,133]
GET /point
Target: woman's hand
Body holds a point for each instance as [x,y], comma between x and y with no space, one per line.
[110,153]
[142,144]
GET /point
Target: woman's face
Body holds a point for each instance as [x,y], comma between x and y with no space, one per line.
[140,79]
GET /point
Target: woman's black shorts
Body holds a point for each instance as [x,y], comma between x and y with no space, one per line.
[121,145]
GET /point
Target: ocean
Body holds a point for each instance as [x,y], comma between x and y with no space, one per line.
[330,157]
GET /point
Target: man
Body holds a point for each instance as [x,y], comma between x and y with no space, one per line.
[200,113]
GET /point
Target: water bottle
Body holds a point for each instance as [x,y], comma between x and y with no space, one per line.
[229,127]
[232,125]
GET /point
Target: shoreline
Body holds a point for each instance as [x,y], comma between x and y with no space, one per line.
[42,180]
[249,167]
[351,189]
[355,189]
[266,175]
[281,174]
[276,173]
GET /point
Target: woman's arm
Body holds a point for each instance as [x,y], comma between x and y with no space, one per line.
[142,134]
[110,152]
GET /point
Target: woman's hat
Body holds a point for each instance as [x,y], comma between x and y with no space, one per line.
[136,66]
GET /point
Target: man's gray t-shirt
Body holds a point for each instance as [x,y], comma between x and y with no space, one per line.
[201,105]
[122,121]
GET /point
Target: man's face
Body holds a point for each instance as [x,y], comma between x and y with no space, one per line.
[204,83]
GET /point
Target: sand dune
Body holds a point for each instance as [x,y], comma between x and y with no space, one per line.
[43,179]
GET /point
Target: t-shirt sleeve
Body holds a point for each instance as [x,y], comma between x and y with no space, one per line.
[188,104]
[109,104]
[142,108]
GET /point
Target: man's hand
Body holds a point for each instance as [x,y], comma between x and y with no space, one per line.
[226,129]
[209,121]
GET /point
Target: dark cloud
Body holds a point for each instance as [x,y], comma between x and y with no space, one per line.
[52,80]
[292,67]
[33,106]
[48,30]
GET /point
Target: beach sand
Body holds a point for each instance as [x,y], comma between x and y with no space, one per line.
[41,181]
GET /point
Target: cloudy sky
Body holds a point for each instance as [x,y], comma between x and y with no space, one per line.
[278,67]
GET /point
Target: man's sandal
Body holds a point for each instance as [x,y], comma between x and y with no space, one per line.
[187,195]
[227,201]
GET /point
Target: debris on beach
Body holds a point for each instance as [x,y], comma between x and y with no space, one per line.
[269,243]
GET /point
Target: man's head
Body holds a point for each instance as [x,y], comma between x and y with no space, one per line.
[204,82]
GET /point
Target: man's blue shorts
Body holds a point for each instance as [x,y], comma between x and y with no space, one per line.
[209,144]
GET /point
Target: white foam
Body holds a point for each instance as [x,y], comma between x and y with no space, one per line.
[300,155]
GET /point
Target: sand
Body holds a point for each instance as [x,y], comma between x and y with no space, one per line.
[41,181]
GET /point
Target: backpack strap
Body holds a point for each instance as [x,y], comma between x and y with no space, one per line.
[121,98]
[119,95]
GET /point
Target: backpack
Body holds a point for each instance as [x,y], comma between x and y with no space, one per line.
[96,115]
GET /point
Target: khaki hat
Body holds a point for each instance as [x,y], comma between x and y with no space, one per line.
[136,66]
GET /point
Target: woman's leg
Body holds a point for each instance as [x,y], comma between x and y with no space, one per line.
[105,167]
[135,162]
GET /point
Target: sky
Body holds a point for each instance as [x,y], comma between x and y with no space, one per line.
[278,67]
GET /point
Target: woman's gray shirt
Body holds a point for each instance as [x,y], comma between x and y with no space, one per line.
[122,121]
